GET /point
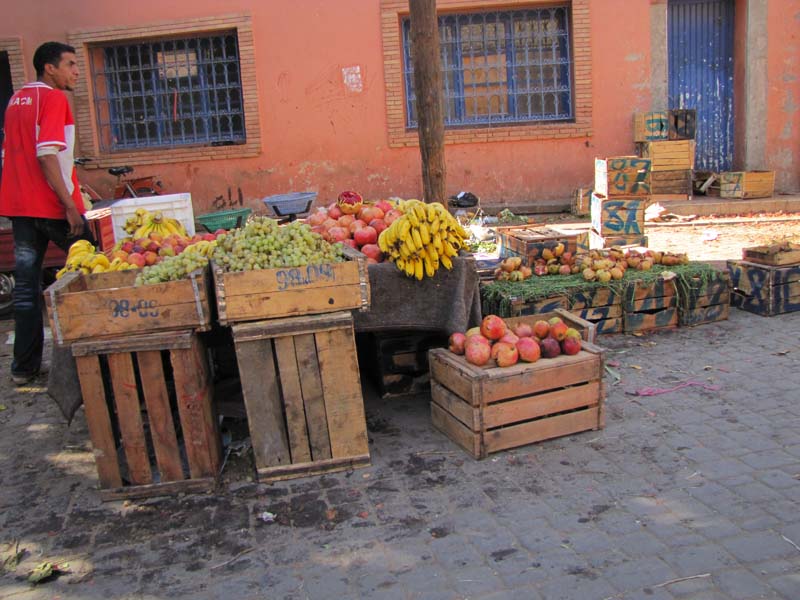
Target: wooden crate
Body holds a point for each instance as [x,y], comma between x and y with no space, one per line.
[747,184]
[597,241]
[763,289]
[525,308]
[581,201]
[703,301]
[649,306]
[618,216]
[489,409]
[302,391]
[529,242]
[670,155]
[152,377]
[682,124]
[671,183]
[292,291]
[624,176]
[772,256]
[651,126]
[601,306]
[107,305]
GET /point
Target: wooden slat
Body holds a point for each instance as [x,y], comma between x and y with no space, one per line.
[600,312]
[341,384]
[458,407]
[639,322]
[193,390]
[272,281]
[313,397]
[162,428]
[531,407]
[129,417]
[652,303]
[703,314]
[246,307]
[593,298]
[550,373]
[291,326]
[98,421]
[456,431]
[262,399]
[609,326]
[314,468]
[187,486]
[543,429]
[622,176]
[134,343]
[292,400]
[457,376]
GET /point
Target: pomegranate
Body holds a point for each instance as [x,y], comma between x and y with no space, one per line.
[457,342]
[558,330]
[317,218]
[550,347]
[368,213]
[473,331]
[493,327]
[338,234]
[391,216]
[345,220]
[365,235]
[384,205]
[477,353]
[528,349]
[570,346]
[541,329]
[356,225]
[506,354]
[378,225]
[349,202]
[334,212]
[509,337]
[370,250]
[523,330]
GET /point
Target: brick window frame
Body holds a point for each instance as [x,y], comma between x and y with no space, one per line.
[85,110]
[392,13]
[16,60]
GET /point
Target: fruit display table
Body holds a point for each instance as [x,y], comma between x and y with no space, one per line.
[448,302]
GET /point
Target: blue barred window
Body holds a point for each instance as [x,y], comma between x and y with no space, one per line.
[501,67]
[169,93]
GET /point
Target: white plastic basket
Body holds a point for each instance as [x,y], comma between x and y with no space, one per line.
[177,206]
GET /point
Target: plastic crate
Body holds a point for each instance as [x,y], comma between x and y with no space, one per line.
[224,219]
[290,204]
[177,206]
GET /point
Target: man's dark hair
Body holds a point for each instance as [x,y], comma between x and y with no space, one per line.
[49,53]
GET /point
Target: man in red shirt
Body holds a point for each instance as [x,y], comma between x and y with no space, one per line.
[39,191]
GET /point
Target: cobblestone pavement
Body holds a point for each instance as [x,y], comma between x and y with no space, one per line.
[688,494]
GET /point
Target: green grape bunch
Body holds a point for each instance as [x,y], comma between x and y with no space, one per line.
[263,244]
[171,268]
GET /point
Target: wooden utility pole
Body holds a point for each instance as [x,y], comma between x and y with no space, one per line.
[430,102]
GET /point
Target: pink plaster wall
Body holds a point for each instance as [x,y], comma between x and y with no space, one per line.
[318,134]
[783,95]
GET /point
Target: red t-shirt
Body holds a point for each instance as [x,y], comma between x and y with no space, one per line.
[38,117]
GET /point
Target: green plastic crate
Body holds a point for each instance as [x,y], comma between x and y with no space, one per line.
[224,219]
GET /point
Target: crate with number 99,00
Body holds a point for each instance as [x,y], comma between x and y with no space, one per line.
[105,305]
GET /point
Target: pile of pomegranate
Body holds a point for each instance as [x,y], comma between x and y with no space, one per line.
[495,340]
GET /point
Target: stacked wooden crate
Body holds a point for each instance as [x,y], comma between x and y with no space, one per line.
[144,378]
[667,139]
[295,344]
[621,195]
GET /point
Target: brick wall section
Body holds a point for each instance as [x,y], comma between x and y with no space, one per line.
[16,60]
[392,11]
[86,119]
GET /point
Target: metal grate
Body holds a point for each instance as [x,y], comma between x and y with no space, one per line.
[168,93]
[501,67]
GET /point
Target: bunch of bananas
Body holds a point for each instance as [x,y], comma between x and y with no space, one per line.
[143,223]
[84,258]
[201,247]
[421,240]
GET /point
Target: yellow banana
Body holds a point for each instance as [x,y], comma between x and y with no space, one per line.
[99,268]
[424,233]
[446,262]
[436,240]
[409,268]
[417,238]
[99,259]
[412,217]
[418,269]
[429,271]
[431,213]
[61,272]
[405,227]
[431,251]
[435,224]
[421,212]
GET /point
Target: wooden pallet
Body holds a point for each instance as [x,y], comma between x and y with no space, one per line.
[622,176]
[651,126]
[600,306]
[106,305]
[747,184]
[302,391]
[597,241]
[292,291]
[618,217]
[132,387]
[767,255]
[668,155]
[764,290]
[649,306]
[489,409]
[529,242]
[701,301]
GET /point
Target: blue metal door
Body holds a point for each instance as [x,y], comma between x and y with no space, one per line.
[700,46]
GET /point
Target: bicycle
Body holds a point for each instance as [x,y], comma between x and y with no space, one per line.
[125,187]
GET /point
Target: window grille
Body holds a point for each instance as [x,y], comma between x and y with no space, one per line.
[501,67]
[168,93]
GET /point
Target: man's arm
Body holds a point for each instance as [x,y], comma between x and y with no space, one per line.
[52,173]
